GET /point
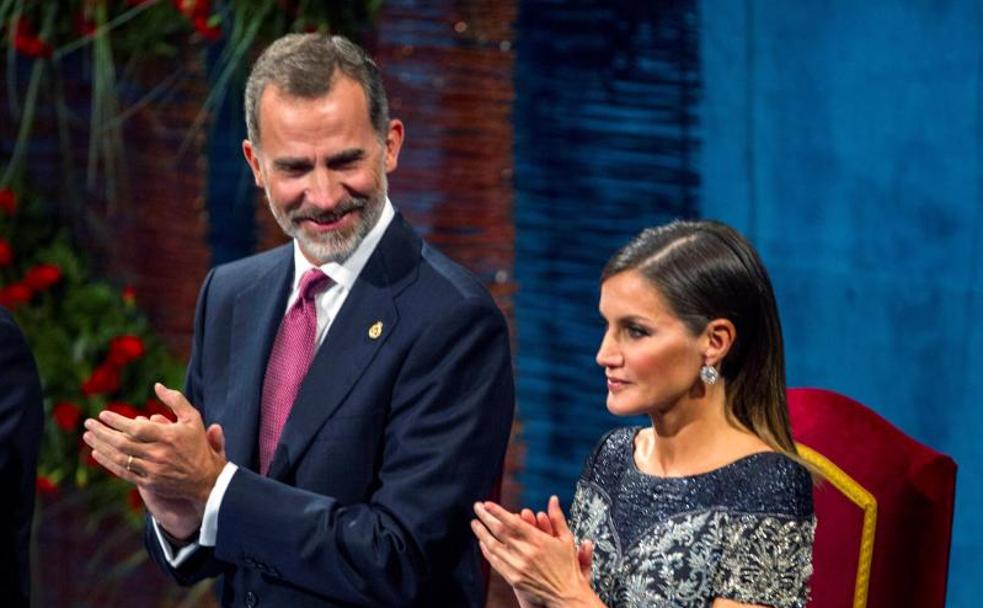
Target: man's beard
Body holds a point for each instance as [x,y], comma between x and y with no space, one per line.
[336,245]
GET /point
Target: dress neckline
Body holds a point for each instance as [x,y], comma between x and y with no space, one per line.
[674,478]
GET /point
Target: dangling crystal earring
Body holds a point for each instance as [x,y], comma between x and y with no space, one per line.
[709,374]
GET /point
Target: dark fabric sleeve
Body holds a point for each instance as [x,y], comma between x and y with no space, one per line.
[21,422]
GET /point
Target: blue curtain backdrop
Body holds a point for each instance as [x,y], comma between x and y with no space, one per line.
[844,138]
[604,113]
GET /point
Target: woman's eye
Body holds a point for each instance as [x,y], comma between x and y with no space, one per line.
[635,332]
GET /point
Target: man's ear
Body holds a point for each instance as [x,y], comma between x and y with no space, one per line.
[394,142]
[252,159]
[719,335]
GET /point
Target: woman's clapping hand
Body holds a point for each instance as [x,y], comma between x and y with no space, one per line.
[536,554]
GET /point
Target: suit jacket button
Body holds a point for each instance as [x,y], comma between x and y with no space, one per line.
[251,599]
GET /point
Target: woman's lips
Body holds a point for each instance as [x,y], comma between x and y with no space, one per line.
[616,384]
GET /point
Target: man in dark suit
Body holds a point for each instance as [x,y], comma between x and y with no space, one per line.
[21,421]
[356,384]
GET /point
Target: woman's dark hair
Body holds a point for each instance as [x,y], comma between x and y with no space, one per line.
[706,270]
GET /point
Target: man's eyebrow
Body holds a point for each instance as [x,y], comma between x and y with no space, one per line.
[290,163]
[346,156]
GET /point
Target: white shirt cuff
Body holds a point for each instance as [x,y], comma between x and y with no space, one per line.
[174,559]
[209,523]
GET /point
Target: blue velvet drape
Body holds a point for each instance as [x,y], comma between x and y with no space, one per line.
[844,138]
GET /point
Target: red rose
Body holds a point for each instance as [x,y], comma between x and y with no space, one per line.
[45,486]
[128,295]
[66,415]
[156,407]
[123,349]
[8,202]
[123,409]
[134,501]
[6,253]
[27,42]
[14,295]
[42,276]
[104,379]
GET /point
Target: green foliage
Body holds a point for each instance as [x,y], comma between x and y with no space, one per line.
[120,36]
[71,326]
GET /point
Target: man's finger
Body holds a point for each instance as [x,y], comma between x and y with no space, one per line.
[174,400]
[99,436]
[119,470]
[216,438]
[140,430]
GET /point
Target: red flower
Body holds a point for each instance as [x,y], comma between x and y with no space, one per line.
[28,43]
[66,415]
[45,486]
[14,295]
[8,202]
[6,253]
[128,295]
[193,8]
[123,409]
[123,349]
[104,379]
[42,276]
[210,33]
[134,501]
[154,406]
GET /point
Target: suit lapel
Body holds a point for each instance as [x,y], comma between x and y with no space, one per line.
[351,343]
[256,318]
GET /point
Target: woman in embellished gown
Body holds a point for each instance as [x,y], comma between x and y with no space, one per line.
[709,506]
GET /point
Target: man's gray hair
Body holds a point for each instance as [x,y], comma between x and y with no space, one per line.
[305,65]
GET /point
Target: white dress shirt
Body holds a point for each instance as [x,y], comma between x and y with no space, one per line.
[327,303]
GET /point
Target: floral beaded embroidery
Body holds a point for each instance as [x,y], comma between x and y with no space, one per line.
[687,558]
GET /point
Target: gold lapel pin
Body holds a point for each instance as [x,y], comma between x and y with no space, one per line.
[376,330]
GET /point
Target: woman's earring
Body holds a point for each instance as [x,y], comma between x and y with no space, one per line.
[709,374]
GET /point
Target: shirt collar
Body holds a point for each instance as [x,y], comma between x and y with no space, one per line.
[347,272]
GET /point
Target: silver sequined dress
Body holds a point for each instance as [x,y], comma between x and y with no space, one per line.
[742,532]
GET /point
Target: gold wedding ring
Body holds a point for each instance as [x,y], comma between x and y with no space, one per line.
[129,461]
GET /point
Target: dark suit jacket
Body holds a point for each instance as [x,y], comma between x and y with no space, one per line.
[21,418]
[388,445]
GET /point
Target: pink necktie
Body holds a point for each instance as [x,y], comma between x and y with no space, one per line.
[292,353]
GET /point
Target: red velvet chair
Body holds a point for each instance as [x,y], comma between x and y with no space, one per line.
[884,511]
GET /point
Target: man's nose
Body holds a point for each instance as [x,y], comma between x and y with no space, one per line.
[324,189]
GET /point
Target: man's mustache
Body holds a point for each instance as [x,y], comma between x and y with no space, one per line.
[317,215]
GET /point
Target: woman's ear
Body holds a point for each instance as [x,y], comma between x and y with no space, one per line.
[720,335]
